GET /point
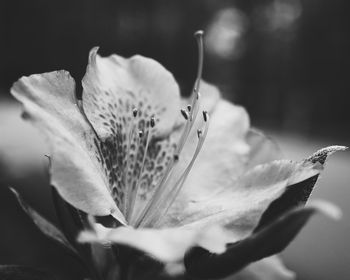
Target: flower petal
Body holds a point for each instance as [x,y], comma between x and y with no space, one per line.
[322,155]
[224,152]
[113,88]
[50,104]
[208,100]
[297,194]
[166,245]
[241,206]
[270,240]
[270,268]
[262,148]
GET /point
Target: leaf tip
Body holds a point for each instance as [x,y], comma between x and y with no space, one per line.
[327,208]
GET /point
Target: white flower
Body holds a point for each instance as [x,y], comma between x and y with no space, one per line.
[172,178]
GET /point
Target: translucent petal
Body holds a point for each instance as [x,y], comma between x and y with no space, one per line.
[50,104]
[224,153]
[241,206]
[262,148]
[166,245]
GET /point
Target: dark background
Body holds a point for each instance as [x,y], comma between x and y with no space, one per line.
[289,67]
[286,61]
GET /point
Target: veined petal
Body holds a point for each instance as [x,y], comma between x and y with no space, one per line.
[241,206]
[166,245]
[224,152]
[50,104]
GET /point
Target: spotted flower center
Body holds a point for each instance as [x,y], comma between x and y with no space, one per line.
[143,168]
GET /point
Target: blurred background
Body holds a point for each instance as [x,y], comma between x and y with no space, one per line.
[286,61]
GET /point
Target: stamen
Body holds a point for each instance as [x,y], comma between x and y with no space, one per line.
[190,116]
[134,112]
[140,133]
[194,106]
[134,194]
[126,180]
[205,116]
[174,191]
[153,121]
[158,191]
[184,114]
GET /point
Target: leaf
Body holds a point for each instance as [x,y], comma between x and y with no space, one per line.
[16,272]
[268,241]
[44,225]
[68,217]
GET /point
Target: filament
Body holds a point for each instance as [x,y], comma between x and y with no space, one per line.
[134,194]
[180,182]
[130,139]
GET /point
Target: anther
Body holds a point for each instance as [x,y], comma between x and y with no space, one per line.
[199,133]
[205,116]
[140,133]
[184,114]
[199,33]
[134,112]
[176,157]
[189,108]
[153,122]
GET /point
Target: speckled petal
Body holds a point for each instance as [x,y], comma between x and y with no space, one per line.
[113,87]
[241,206]
[49,103]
